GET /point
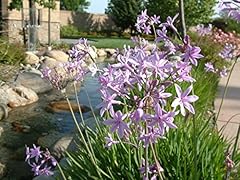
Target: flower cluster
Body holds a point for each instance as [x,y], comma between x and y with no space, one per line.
[203,31]
[42,162]
[136,90]
[231,8]
[73,70]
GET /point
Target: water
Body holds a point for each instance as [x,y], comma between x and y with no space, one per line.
[12,142]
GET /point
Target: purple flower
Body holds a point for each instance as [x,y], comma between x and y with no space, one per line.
[150,137]
[110,141]
[163,119]
[117,123]
[41,162]
[34,152]
[161,34]
[209,67]
[223,72]
[147,29]
[137,115]
[108,101]
[155,19]
[183,100]
[192,53]
[203,31]
[170,21]
[227,52]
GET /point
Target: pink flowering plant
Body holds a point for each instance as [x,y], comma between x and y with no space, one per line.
[148,118]
[139,104]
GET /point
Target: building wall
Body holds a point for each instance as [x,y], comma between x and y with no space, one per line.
[87,21]
[15,21]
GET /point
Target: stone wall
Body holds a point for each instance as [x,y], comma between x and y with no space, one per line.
[87,21]
[15,21]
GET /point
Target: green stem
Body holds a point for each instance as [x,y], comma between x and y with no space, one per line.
[61,171]
[78,103]
[82,136]
[156,161]
[146,154]
[225,91]
[83,122]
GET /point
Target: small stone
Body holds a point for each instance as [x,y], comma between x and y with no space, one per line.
[31,58]
[58,55]
[2,170]
[101,53]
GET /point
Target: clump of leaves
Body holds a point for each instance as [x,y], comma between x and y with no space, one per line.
[11,53]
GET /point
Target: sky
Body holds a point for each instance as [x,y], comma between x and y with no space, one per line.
[97,6]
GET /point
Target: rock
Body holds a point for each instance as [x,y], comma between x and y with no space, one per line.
[100,59]
[101,53]
[110,52]
[1,130]
[42,177]
[49,140]
[3,111]
[19,127]
[20,96]
[3,96]
[33,81]
[61,145]
[61,106]
[58,55]
[2,170]
[31,58]
[150,47]
[49,62]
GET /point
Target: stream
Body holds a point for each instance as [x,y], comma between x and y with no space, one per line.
[39,122]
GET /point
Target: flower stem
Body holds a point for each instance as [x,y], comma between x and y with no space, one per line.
[146,154]
[82,136]
[156,161]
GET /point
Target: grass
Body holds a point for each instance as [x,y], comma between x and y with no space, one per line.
[110,42]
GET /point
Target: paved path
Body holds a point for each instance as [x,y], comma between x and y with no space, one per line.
[229,117]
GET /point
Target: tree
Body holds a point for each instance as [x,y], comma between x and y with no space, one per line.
[74,5]
[196,11]
[124,13]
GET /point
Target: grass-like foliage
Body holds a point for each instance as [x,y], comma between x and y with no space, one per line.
[11,53]
[189,152]
[192,151]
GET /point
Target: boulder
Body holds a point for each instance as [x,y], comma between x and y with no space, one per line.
[44,177]
[3,96]
[20,96]
[58,55]
[1,130]
[49,62]
[110,52]
[61,145]
[101,53]
[31,58]
[3,112]
[49,140]
[3,170]
[33,81]
[62,106]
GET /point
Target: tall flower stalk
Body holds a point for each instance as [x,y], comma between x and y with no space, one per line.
[138,102]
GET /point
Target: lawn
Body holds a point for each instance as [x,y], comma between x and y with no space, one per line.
[110,42]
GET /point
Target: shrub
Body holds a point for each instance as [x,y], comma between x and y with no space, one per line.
[68,31]
[11,53]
